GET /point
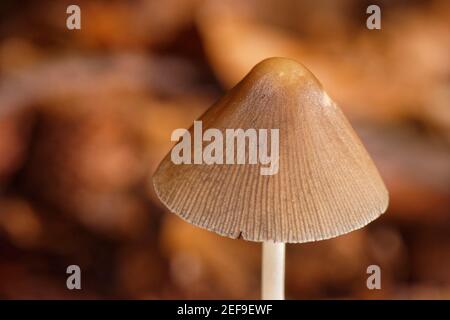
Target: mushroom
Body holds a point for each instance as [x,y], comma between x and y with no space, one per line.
[326,184]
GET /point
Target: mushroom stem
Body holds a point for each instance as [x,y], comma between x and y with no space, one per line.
[273,270]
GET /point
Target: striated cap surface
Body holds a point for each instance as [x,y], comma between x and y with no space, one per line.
[326,183]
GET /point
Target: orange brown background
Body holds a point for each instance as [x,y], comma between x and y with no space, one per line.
[86,116]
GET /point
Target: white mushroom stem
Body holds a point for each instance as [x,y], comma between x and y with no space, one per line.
[273,270]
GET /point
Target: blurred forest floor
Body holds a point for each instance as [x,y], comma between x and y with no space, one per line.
[86,116]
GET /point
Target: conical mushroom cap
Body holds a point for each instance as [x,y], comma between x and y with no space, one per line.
[326,185]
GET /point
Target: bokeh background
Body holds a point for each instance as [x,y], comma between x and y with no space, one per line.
[86,116]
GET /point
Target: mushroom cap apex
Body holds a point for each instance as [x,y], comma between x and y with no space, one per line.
[283,71]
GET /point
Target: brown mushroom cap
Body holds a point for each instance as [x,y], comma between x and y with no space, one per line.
[327,184]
